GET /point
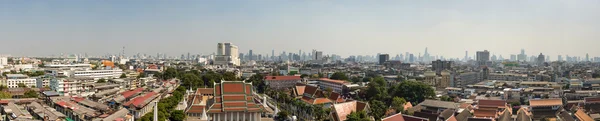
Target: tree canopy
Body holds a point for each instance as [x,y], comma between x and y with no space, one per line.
[357,116]
[30,94]
[339,76]
[22,85]
[378,109]
[101,81]
[413,91]
[398,104]
[123,76]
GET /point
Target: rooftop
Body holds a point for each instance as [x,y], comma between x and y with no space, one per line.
[545,102]
[333,81]
[282,78]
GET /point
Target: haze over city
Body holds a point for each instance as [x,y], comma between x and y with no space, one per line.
[447,28]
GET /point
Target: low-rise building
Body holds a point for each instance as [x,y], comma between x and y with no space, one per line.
[73,86]
[282,82]
[45,112]
[234,100]
[13,80]
[341,110]
[141,105]
[545,108]
[98,74]
[335,85]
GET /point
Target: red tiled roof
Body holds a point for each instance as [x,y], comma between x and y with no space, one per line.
[218,90]
[130,93]
[234,98]
[234,104]
[413,118]
[310,90]
[77,99]
[4,101]
[200,91]
[485,113]
[545,102]
[335,97]
[196,109]
[342,110]
[333,81]
[248,89]
[300,89]
[282,78]
[592,100]
[322,101]
[233,88]
[492,103]
[140,100]
[396,117]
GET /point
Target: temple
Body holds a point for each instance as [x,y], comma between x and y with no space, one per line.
[234,101]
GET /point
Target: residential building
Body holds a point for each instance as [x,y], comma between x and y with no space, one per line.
[227,54]
[545,108]
[141,105]
[124,97]
[483,58]
[234,100]
[436,106]
[438,66]
[341,110]
[41,111]
[78,86]
[282,82]
[121,115]
[74,111]
[43,81]
[335,85]
[98,74]
[383,58]
[13,80]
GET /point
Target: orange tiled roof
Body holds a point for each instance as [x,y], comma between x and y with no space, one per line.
[200,91]
[342,110]
[485,113]
[492,103]
[300,89]
[322,101]
[396,117]
[236,96]
[545,102]
[582,116]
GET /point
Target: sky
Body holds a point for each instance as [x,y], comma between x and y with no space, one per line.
[344,27]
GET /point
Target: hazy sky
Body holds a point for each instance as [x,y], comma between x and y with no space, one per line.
[343,27]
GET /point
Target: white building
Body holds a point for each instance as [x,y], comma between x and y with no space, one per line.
[3,62]
[98,74]
[72,86]
[227,54]
[336,85]
[13,80]
[68,66]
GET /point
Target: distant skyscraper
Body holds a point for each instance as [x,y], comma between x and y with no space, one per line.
[513,57]
[318,55]
[250,55]
[273,55]
[483,57]
[587,57]
[541,59]
[411,58]
[227,54]
[383,58]
[522,56]
[560,58]
[466,56]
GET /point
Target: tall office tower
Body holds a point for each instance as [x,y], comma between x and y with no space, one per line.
[513,57]
[411,58]
[587,57]
[541,59]
[560,58]
[250,55]
[273,55]
[483,57]
[188,56]
[426,57]
[227,54]
[494,58]
[318,55]
[522,56]
[466,56]
[383,58]
[242,57]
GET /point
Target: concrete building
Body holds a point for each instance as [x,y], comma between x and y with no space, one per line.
[13,80]
[438,66]
[3,62]
[77,86]
[282,82]
[541,59]
[227,54]
[97,74]
[234,100]
[336,85]
[383,58]
[483,58]
[141,105]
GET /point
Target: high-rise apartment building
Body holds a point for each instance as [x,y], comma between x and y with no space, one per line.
[227,54]
[483,57]
[541,59]
[383,58]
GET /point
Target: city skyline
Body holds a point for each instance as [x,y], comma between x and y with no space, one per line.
[334,27]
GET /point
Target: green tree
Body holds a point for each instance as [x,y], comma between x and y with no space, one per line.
[367,79]
[123,76]
[378,109]
[398,104]
[339,76]
[177,115]
[3,87]
[413,91]
[328,92]
[230,76]
[22,85]
[5,95]
[30,94]
[258,82]
[303,75]
[101,80]
[191,80]
[282,116]
[319,112]
[377,90]
[355,79]
[446,98]
[170,73]
[357,116]
[315,76]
